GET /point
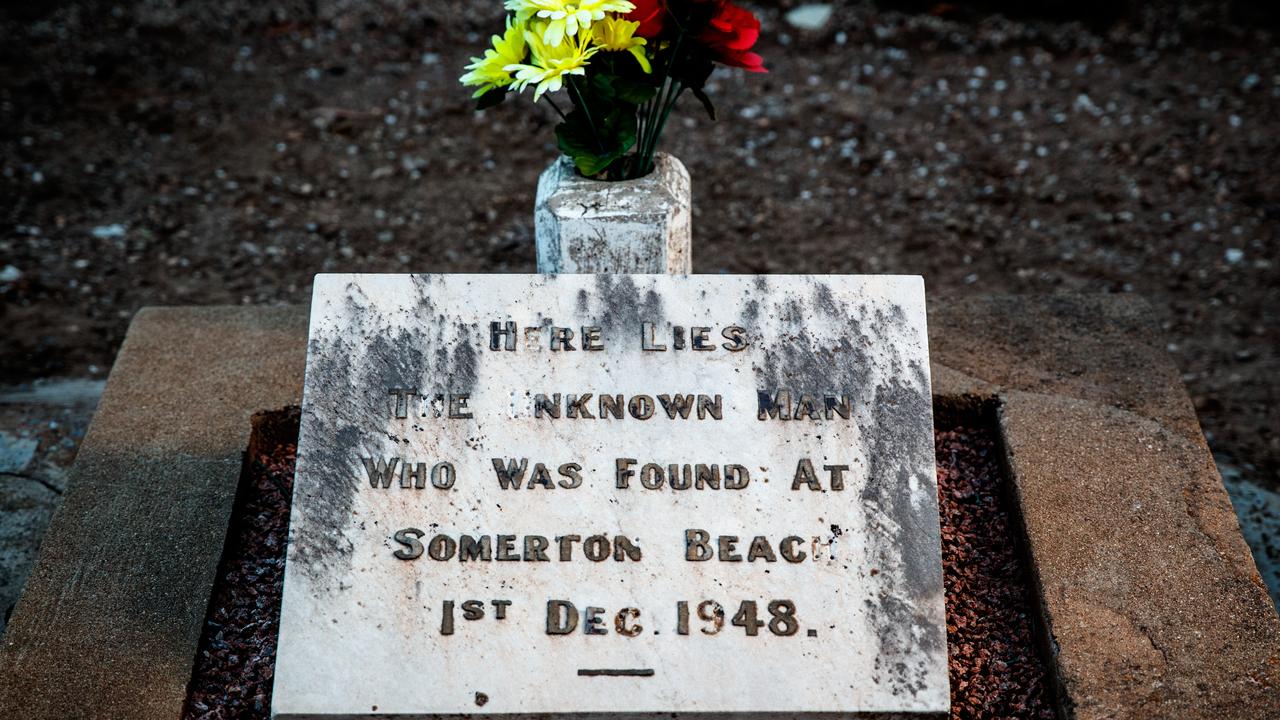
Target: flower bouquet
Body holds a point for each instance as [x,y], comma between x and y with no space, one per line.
[623,64]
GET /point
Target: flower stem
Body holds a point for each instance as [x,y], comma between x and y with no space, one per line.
[658,110]
[651,122]
[642,113]
[556,107]
[655,124]
[676,90]
[582,103]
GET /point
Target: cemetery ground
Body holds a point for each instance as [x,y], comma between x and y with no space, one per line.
[201,155]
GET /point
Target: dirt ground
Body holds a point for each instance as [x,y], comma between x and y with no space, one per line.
[193,153]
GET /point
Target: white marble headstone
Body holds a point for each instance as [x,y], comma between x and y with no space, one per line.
[624,496]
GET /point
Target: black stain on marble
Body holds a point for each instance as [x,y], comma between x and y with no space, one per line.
[391,361]
[463,371]
[352,368]
[895,446]
[825,301]
[623,307]
[323,491]
[893,408]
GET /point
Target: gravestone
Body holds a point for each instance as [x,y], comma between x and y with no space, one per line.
[614,496]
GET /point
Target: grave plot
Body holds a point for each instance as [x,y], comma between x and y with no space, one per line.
[997,666]
[1140,583]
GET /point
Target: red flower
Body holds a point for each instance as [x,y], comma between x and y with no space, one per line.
[651,14]
[731,34]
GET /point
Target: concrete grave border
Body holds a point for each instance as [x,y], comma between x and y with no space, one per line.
[1151,601]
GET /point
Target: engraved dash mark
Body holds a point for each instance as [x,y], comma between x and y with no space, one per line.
[613,672]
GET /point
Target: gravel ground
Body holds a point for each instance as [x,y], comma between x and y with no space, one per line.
[236,659]
[40,431]
[996,670]
[161,153]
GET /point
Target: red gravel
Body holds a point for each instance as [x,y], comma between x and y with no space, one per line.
[236,660]
[996,671]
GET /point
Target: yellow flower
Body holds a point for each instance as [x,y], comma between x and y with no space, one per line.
[491,71]
[550,63]
[614,34]
[566,17]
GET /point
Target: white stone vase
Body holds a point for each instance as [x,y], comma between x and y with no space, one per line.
[627,226]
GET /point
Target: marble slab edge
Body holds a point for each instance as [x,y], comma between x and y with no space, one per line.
[1151,613]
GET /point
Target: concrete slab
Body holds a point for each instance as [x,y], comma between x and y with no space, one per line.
[108,623]
[1153,602]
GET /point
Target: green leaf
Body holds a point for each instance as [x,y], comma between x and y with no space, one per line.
[604,90]
[635,92]
[491,98]
[694,71]
[595,149]
[706,102]
[599,87]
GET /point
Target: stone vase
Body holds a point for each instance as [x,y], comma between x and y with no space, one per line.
[628,226]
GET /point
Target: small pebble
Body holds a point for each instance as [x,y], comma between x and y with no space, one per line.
[811,17]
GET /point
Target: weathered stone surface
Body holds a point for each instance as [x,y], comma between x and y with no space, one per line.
[591,226]
[108,623]
[1092,347]
[866,633]
[16,453]
[1154,605]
